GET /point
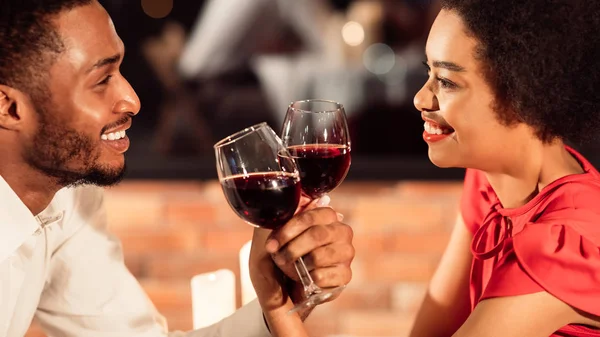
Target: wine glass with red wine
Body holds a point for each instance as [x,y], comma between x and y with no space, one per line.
[260,184]
[315,134]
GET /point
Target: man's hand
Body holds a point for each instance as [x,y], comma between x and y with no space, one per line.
[316,234]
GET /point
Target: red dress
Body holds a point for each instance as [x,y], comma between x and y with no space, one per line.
[550,244]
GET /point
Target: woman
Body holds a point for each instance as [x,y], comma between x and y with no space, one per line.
[509,83]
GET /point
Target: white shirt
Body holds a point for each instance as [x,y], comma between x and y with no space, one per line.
[64,268]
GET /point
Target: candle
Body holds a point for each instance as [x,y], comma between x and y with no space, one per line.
[248,293]
[213,297]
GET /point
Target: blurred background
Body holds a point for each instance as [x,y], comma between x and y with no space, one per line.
[204,69]
[207,68]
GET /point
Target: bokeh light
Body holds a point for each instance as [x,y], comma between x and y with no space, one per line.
[353,33]
[379,58]
[157,9]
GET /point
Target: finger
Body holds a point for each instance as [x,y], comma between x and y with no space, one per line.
[329,277]
[297,225]
[321,202]
[288,269]
[304,202]
[330,255]
[307,203]
[313,238]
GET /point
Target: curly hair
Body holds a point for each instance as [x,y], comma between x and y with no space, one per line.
[542,59]
[29,42]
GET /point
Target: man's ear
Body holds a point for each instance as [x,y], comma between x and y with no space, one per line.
[13,104]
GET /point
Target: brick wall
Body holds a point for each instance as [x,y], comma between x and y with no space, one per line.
[172,231]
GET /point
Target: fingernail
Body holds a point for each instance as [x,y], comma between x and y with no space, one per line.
[272,246]
[340,216]
[324,201]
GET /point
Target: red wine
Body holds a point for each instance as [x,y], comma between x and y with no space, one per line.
[266,199]
[322,166]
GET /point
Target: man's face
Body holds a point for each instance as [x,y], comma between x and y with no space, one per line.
[80,136]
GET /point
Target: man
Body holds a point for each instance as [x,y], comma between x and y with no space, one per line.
[64,112]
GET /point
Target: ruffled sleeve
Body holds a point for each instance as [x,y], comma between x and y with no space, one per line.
[475,200]
[554,258]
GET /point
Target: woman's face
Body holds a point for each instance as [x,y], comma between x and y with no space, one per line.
[456,103]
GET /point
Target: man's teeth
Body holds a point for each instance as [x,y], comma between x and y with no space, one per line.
[434,130]
[113,135]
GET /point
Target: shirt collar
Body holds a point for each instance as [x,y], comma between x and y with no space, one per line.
[17,223]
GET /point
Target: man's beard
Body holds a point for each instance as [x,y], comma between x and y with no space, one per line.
[67,155]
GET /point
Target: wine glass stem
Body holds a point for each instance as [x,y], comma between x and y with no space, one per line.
[310,287]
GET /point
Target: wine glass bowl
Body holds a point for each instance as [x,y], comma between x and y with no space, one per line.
[315,133]
[259,179]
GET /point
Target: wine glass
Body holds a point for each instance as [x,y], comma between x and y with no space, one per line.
[261,183]
[315,134]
